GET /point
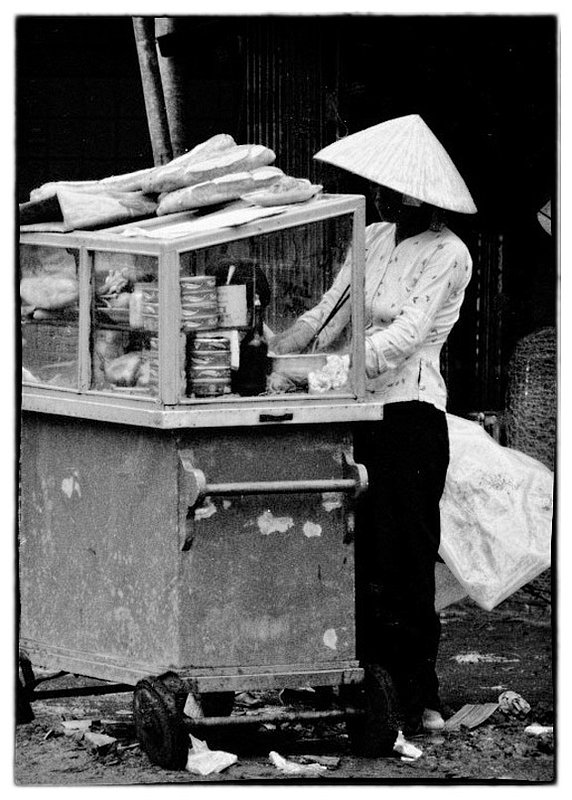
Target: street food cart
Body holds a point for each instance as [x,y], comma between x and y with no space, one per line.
[184,530]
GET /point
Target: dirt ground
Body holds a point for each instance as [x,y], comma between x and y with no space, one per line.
[482,654]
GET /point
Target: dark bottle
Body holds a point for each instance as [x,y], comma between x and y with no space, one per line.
[250,377]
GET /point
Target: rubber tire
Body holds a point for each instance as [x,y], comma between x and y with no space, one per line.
[374,732]
[159,724]
[25,683]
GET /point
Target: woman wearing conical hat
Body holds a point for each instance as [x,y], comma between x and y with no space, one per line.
[417,271]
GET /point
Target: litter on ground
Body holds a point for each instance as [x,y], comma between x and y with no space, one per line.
[293,768]
[470,715]
[204,761]
[513,705]
[405,749]
[482,658]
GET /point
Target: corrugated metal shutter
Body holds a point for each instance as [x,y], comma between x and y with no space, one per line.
[286,92]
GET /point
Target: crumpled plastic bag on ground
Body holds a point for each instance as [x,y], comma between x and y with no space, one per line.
[513,704]
[293,768]
[496,515]
[539,730]
[405,749]
[204,761]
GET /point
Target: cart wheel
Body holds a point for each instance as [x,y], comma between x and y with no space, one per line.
[374,732]
[25,683]
[159,724]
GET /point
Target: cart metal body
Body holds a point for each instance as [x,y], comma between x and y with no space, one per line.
[118,583]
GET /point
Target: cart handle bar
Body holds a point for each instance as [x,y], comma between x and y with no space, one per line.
[354,482]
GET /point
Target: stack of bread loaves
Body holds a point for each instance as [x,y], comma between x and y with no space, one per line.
[215,171]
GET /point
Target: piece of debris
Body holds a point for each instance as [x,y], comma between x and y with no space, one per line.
[72,727]
[293,768]
[304,694]
[49,734]
[482,658]
[192,707]
[544,737]
[204,761]
[539,730]
[470,716]
[405,749]
[120,728]
[131,746]
[331,762]
[513,704]
[248,700]
[99,743]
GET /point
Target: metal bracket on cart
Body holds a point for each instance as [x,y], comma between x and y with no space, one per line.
[354,482]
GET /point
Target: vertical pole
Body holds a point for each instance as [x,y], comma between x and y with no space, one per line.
[358,302]
[170,356]
[144,30]
[172,80]
[85,315]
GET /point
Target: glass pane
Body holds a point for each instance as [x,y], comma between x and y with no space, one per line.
[263,285]
[49,295]
[124,346]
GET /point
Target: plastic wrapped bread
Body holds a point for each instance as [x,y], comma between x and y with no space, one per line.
[284,192]
[218,190]
[225,161]
[49,291]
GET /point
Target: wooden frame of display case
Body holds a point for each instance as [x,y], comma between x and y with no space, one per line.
[167,410]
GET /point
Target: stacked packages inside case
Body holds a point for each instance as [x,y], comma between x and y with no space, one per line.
[209,366]
[199,306]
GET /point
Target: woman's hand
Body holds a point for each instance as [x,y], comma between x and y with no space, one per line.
[293,340]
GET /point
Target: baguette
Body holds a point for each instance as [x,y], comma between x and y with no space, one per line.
[240,158]
[48,190]
[167,177]
[141,180]
[218,190]
[285,191]
[208,193]
[127,182]
[216,144]
[266,176]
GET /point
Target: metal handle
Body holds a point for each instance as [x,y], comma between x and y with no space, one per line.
[287,417]
[354,482]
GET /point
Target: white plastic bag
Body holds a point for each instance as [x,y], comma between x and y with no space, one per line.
[204,761]
[293,768]
[496,515]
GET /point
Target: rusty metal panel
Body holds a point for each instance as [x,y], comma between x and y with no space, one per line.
[269,578]
[99,548]
[117,578]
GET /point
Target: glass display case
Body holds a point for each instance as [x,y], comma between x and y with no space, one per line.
[168,321]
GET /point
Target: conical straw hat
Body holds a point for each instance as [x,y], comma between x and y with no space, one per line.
[406,156]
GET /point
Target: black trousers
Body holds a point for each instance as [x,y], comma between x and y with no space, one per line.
[397,542]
